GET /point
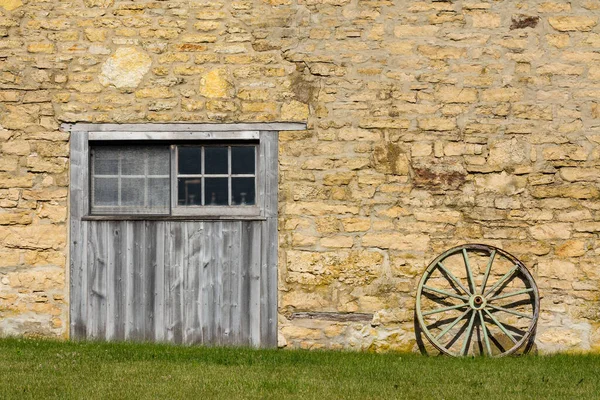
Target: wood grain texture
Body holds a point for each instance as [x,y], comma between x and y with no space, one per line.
[211,282]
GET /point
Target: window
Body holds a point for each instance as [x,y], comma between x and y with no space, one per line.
[187,178]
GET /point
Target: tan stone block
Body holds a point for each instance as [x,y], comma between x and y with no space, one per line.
[125,68]
[337,242]
[421,149]
[396,241]
[553,7]
[294,111]
[21,218]
[34,236]
[557,269]
[572,174]
[384,123]
[42,47]
[328,224]
[301,240]
[485,20]
[571,248]
[9,258]
[447,217]
[299,333]
[403,31]
[45,194]
[592,227]
[55,213]
[452,94]
[342,178]
[215,84]
[268,107]
[501,183]
[575,191]
[560,69]
[44,258]
[565,152]
[9,181]
[95,34]
[551,231]
[573,23]
[501,94]
[441,52]
[10,5]
[356,224]
[99,3]
[207,26]
[154,93]
[18,147]
[315,208]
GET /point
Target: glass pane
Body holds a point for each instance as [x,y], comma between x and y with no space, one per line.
[216,160]
[105,162]
[158,162]
[105,191]
[189,191]
[133,191]
[158,192]
[190,160]
[243,191]
[242,159]
[215,192]
[132,163]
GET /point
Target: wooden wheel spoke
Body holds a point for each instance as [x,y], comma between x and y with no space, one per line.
[452,325]
[506,310]
[487,270]
[453,278]
[511,294]
[449,294]
[502,280]
[501,326]
[468,268]
[468,333]
[486,339]
[439,310]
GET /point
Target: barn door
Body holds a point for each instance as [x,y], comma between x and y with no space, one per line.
[179,279]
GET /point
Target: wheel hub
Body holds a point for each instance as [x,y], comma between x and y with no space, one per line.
[477,302]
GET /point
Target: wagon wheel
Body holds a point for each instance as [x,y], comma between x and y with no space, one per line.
[477,299]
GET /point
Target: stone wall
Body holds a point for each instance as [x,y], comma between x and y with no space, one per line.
[431,124]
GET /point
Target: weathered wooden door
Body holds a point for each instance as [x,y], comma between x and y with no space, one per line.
[180,279]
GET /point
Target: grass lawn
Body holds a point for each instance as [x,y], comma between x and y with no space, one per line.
[47,369]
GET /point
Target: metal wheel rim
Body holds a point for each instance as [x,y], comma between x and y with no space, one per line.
[520,267]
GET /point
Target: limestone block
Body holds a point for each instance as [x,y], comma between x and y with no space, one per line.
[396,241]
[10,5]
[446,217]
[571,248]
[21,218]
[215,84]
[356,224]
[9,258]
[342,178]
[452,94]
[42,47]
[573,23]
[575,191]
[125,68]
[98,3]
[316,208]
[294,111]
[9,181]
[34,236]
[437,124]
[580,174]
[337,242]
[551,231]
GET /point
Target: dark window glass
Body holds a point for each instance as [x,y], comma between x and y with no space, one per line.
[216,160]
[106,166]
[158,192]
[190,160]
[215,191]
[131,164]
[242,159]
[189,191]
[243,191]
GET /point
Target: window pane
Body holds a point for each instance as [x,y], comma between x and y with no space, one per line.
[158,192]
[133,191]
[242,159]
[131,164]
[189,160]
[106,191]
[215,192]
[105,165]
[216,160]
[189,191]
[243,191]
[132,169]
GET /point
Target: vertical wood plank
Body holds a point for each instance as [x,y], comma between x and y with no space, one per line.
[77,234]
[173,282]
[128,272]
[237,262]
[159,286]
[254,256]
[149,278]
[205,273]
[97,282]
[117,289]
[195,232]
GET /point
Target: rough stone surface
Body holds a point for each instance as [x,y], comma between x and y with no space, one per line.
[125,68]
[430,124]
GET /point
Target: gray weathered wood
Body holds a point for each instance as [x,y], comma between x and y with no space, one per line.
[271,126]
[182,280]
[172,136]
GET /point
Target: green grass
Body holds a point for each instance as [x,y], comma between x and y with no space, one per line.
[47,369]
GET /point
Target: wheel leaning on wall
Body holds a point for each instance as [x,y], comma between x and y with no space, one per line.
[476,299]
